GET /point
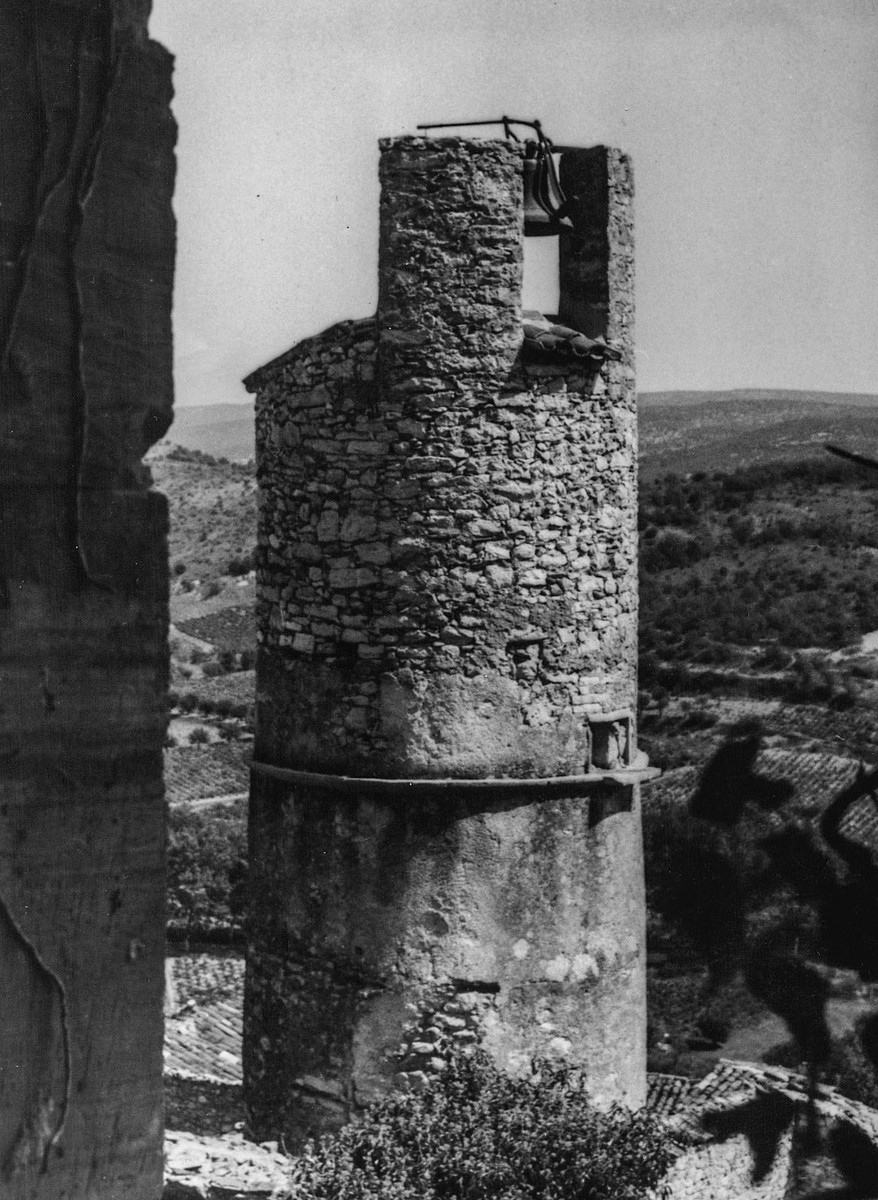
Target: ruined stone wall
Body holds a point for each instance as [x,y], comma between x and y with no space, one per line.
[86,261]
[445,825]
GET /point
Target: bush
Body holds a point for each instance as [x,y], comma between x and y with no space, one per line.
[211,669]
[179,567]
[212,588]
[188,702]
[476,1133]
[207,867]
[238,566]
[198,736]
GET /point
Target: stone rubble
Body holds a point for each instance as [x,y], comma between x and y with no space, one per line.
[223,1168]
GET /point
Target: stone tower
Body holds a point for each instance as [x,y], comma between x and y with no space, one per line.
[445,827]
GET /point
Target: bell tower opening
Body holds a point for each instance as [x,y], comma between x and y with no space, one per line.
[541,287]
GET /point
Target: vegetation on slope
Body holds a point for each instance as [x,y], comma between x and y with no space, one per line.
[213,512]
[785,554]
[207,870]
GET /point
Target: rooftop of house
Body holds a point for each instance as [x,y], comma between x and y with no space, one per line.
[203,1018]
[817,778]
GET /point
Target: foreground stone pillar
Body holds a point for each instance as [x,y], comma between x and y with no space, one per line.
[445,827]
[85,387]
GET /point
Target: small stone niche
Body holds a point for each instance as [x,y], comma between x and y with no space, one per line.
[611,742]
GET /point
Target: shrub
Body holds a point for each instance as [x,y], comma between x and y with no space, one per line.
[238,566]
[229,731]
[772,658]
[223,706]
[207,868]
[179,567]
[477,1133]
[247,660]
[198,736]
[188,702]
[211,669]
[212,588]
[227,660]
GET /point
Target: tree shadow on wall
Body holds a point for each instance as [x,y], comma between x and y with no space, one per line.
[782,903]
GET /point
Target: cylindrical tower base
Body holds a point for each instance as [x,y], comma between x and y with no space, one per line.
[392,921]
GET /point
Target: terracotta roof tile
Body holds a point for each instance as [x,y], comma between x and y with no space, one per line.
[203,1028]
[547,339]
[732,1084]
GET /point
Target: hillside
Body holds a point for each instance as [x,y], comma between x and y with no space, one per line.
[222,430]
[213,511]
[787,554]
[683,432]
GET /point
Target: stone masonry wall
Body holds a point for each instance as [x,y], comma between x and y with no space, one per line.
[447,530]
[446,670]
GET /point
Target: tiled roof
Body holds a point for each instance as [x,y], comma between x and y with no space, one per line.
[217,769]
[817,778]
[203,1026]
[683,1103]
[547,339]
[667,1093]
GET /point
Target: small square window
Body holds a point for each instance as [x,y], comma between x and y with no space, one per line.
[611,742]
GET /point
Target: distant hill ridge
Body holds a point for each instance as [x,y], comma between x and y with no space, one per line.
[747,395]
[223,430]
[682,431]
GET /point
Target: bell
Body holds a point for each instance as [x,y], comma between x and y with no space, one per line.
[537,222]
[544,202]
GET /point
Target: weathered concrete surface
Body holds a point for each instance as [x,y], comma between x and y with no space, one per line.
[386,933]
[447,591]
[86,260]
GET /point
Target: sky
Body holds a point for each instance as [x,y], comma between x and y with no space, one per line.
[752,125]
